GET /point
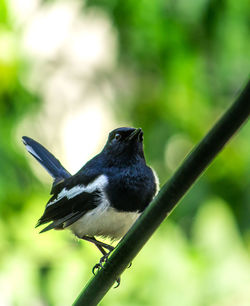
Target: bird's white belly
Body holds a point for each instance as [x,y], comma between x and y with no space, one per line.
[106,222]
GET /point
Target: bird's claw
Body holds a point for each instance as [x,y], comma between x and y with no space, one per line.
[118,281]
[96,267]
[100,264]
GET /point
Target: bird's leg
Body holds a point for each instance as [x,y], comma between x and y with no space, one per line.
[93,240]
[102,246]
[98,243]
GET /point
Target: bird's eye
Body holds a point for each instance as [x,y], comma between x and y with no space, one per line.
[118,136]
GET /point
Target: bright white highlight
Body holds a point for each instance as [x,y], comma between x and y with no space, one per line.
[84,132]
[49,28]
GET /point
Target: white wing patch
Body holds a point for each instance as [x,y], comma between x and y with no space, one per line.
[99,183]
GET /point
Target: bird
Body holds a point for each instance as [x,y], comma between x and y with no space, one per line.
[106,196]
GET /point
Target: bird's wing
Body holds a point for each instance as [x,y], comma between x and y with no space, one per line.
[63,211]
[73,201]
[47,160]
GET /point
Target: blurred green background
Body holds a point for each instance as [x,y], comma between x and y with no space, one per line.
[70,71]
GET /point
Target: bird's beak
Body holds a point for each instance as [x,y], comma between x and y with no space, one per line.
[138,133]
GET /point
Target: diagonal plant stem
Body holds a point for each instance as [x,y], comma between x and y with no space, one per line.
[164,203]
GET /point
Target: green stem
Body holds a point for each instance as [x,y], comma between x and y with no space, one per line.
[192,167]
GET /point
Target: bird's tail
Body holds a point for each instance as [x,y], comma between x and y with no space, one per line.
[46,159]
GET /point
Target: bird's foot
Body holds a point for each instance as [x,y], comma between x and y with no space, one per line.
[100,264]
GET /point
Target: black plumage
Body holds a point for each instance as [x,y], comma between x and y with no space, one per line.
[117,180]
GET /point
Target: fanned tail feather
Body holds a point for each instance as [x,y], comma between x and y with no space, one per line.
[46,159]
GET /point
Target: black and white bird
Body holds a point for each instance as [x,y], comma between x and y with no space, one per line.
[106,196]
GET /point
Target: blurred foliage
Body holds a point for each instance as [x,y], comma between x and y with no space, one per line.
[184,63]
[180,64]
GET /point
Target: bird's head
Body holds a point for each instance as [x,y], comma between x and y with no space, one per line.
[125,143]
